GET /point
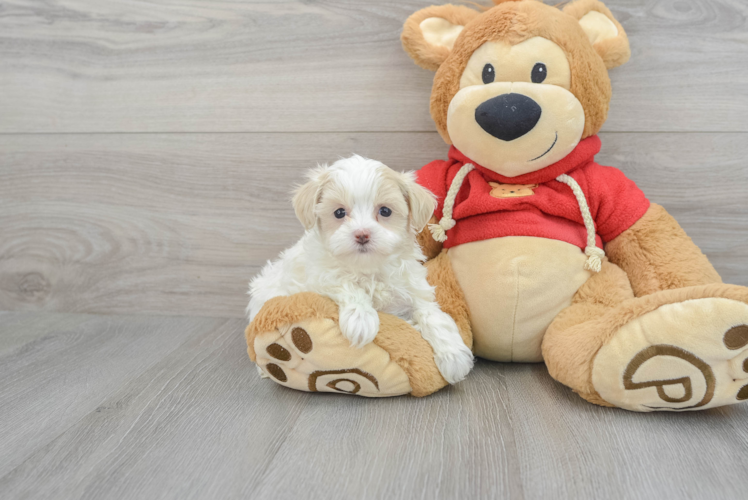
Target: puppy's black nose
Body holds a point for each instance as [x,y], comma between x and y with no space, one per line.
[362,237]
[508,116]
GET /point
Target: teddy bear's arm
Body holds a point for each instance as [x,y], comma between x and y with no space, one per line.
[431,248]
[657,254]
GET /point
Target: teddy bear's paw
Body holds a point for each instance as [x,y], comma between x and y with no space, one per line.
[691,355]
[312,355]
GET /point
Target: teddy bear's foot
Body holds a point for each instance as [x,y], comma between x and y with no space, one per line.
[312,355]
[296,342]
[689,355]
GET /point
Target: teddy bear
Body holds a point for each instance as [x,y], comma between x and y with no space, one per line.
[539,253]
[499,190]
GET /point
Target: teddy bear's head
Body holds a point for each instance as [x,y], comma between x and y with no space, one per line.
[518,85]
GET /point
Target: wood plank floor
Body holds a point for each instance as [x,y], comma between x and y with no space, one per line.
[158,407]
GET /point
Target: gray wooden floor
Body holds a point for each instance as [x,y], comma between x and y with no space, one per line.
[154,407]
[147,149]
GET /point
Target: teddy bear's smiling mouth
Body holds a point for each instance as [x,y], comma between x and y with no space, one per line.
[549,149]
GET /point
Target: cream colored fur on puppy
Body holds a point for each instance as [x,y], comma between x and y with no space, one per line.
[360,249]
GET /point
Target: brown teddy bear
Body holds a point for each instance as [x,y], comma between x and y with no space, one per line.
[536,251]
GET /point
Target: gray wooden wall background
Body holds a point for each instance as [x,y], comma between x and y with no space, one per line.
[147,148]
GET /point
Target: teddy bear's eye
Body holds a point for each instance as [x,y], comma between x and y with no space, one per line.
[539,72]
[339,213]
[489,74]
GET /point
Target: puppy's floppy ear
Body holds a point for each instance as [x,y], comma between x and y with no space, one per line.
[429,34]
[603,30]
[306,197]
[421,201]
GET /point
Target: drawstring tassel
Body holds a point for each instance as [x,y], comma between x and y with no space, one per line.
[439,231]
[594,259]
[594,255]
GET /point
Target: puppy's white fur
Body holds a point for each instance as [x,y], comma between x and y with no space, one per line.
[365,261]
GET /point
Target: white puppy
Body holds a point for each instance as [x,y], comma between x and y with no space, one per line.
[360,249]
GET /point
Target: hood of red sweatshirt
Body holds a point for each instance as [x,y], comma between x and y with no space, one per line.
[580,156]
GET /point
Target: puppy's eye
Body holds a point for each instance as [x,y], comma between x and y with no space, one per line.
[385,212]
[340,213]
[489,74]
[539,72]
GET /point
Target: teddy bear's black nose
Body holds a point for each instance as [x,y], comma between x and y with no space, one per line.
[508,116]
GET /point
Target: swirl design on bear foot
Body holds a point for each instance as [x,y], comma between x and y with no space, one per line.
[677,352]
[333,384]
[682,356]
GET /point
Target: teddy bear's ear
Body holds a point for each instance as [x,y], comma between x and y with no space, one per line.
[603,30]
[429,34]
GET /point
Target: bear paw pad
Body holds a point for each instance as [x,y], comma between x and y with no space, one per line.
[312,355]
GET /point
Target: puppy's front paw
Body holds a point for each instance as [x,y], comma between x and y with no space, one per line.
[261,373]
[454,363]
[359,325]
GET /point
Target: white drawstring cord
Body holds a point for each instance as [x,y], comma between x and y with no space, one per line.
[594,254]
[439,231]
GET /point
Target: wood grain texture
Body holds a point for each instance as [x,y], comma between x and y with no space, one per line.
[63,366]
[178,223]
[18,328]
[327,65]
[201,424]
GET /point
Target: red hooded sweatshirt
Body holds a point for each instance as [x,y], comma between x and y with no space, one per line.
[548,210]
